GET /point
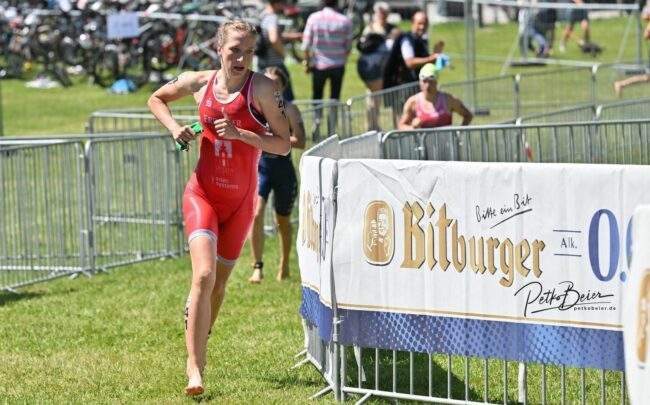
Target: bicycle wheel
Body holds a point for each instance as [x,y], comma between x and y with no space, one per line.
[132,64]
[13,66]
[105,67]
[160,50]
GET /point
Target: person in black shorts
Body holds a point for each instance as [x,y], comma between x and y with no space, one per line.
[576,15]
[276,173]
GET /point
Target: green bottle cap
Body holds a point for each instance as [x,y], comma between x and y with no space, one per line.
[196,127]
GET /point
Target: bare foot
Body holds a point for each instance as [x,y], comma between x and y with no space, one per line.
[283,274]
[618,89]
[256,277]
[195,383]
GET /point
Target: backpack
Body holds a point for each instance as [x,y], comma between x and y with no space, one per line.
[370,43]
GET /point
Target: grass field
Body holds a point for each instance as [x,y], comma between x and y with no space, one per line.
[118,337]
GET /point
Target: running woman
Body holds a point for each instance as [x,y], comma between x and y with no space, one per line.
[241,112]
[277,173]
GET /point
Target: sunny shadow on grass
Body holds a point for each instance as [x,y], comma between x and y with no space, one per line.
[6,298]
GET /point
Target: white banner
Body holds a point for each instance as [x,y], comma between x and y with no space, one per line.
[314,242]
[308,240]
[637,312]
[122,25]
[516,243]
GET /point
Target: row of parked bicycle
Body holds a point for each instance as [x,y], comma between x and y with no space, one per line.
[69,40]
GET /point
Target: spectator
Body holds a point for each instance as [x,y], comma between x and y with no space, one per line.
[576,15]
[374,45]
[327,41]
[277,174]
[431,108]
[376,40]
[545,25]
[528,33]
[274,37]
[642,78]
[410,53]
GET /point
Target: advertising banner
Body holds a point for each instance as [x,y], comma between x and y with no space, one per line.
[314,240]
[524,262]
[636,318]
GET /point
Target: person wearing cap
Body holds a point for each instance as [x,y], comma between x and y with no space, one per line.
[431,108]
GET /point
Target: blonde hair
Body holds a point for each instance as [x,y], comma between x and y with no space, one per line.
[234,25]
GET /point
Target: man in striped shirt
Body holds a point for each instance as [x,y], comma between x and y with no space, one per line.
[326,42]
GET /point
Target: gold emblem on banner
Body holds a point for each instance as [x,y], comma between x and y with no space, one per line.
[378,233]
[642,324]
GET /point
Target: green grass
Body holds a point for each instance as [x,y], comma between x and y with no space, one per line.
[118,338]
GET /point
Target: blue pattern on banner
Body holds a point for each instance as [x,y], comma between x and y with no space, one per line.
[531,343]
[317,313]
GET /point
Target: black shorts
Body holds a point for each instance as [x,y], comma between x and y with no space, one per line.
[577,16]
[276,173]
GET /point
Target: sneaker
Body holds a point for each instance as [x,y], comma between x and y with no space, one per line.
[562,47]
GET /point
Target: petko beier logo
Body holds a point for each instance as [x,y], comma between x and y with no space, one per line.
[379,233]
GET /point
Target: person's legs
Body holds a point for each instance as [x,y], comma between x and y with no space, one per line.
[318,78]
[198,312]
[542,48]
[284,226]
[336,78]
[565,36]
[585,28]
[219,291]
[202,227]
[372,106]
[285,189]
[257,241]
[619,85]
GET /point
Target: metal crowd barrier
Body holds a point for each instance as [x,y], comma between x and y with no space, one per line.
[614,142]
[134,121]
[628,109]
[446,379]
[321,118]
[617,110]
[493,99]
[379,110]
[44,215]
[81,204]
[543,90]
[606,74]
[586,112]
[135,187]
